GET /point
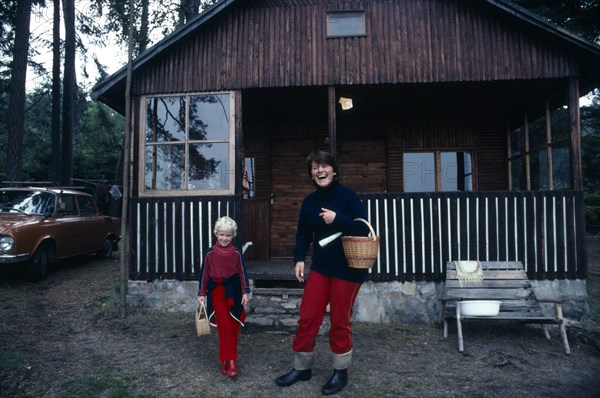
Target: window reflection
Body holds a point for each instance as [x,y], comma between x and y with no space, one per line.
[539,170]
[209,166]
[209,117]
[419,172]
[530,164]
[561,167]
[455,172]
[164,167]
[165,119]
[345,23]
[187,142]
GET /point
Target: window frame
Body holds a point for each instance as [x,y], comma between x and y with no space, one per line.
[528,150]
[187,142]
[437,163]
[363,18]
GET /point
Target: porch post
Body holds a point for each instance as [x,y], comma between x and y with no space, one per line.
[239,141]
[239,151]
[332,121]
[575,121]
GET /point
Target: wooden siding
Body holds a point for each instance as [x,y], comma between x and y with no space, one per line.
[283,44]
[419,233]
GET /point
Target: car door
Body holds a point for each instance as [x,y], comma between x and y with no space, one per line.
[95,231]
[69,229]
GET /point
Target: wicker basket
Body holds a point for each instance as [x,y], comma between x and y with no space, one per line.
[201,320]
[361,251]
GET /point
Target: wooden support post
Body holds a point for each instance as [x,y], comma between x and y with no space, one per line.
[563,328]
[332,121]
[461,347]
[574,118]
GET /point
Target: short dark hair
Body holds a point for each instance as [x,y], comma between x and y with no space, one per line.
[321,157]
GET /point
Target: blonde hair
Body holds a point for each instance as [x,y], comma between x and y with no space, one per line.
[225,224]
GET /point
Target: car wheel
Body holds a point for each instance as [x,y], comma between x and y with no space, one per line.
[38,264]
[106,250]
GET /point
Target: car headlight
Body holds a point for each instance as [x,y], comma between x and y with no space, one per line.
[6,243]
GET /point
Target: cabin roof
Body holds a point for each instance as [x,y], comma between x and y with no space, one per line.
[111,89]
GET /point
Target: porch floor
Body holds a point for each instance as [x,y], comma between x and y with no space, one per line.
[271,270]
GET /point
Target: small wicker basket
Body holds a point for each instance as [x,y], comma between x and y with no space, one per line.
[361,251]
[201,320]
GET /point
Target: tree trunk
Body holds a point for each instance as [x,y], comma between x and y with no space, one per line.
[16,103]
[55,171]
[69,92]
[124,251]
[142,37]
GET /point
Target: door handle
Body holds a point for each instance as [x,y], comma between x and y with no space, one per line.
[272,198]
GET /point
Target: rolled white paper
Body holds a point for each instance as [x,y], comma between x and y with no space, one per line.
[325,241]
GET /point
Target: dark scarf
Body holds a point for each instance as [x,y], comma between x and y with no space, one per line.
[233,293]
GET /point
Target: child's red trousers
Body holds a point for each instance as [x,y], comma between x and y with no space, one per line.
[227,327]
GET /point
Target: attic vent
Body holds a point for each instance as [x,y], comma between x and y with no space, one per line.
[346,23]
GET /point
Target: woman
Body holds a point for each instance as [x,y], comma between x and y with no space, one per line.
[330,209]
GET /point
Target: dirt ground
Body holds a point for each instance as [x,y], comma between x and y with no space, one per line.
[62,338]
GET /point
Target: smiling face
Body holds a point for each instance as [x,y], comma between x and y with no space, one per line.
[322,174]
[224,238]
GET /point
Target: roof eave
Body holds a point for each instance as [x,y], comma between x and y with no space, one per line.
[534,19]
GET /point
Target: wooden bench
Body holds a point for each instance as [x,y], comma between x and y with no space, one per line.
[503,281]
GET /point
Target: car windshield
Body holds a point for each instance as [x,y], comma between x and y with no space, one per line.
[26,202]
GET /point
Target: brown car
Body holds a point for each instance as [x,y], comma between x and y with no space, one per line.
[39,226]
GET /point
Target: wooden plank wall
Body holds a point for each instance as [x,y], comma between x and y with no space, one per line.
[282,44]
[370,152]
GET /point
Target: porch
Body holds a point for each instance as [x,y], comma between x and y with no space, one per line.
[420,232]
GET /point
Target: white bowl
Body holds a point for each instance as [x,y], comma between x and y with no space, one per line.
[479,307]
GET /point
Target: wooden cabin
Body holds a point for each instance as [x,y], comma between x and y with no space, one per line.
[463,137]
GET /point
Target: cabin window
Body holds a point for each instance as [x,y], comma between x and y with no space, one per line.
[539,152]
[437,171]
[538,163]
[455,172]
[188,145]
[346,23]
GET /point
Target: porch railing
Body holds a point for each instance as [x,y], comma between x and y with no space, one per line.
[419,233]
[169,235]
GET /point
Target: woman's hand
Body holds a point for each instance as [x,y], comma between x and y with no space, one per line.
[245,299]
[201,300]
[299,269]
[327,215]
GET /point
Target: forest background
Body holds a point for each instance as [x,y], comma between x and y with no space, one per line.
[50,129]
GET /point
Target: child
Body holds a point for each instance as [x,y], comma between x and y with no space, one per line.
[224,286]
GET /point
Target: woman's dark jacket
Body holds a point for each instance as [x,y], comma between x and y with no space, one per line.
[330,260]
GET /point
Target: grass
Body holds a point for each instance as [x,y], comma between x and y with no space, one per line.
[138,320]
[12,299]
[593,282]
[10,360]
[106,385]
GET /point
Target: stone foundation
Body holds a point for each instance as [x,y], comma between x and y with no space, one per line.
[379,302]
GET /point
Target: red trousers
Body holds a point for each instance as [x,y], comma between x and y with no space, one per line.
[227,327]
[318,292]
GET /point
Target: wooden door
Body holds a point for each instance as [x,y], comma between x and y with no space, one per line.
[289,185]
[256,228]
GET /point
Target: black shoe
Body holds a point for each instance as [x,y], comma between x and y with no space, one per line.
[337,381]
[293,376]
